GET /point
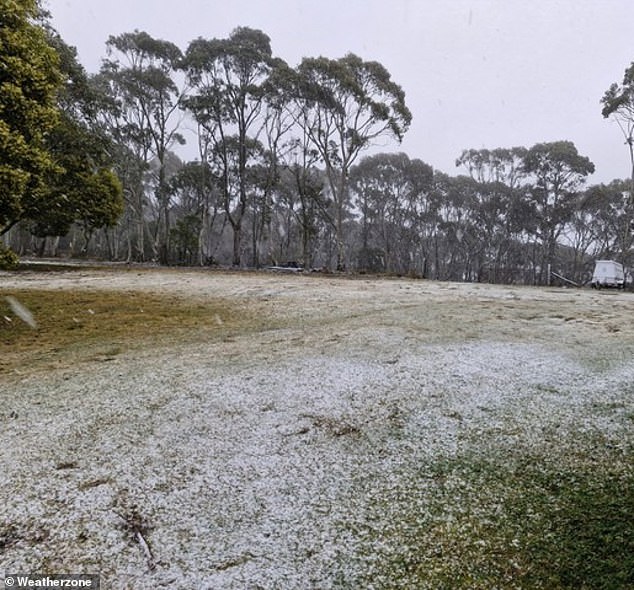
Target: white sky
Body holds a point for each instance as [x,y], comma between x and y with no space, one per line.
[476,73]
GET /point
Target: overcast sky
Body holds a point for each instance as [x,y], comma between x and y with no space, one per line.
[476,73]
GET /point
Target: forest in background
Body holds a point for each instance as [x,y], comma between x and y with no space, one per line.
[222,154]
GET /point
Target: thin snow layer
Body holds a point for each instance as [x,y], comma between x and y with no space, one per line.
[204,475]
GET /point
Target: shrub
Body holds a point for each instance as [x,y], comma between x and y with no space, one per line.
[8,258]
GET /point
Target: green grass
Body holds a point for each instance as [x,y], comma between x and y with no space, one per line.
[475,523]
[78,326]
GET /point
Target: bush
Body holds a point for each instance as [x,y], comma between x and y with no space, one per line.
[8,259]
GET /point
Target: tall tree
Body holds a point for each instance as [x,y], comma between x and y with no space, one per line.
[605,211]
[195,189]
[276,124]
[498,215]
[140,74]
[301,190]
[29,81]
[343,106]
[618,104]
[229,92]
[558,172]
[300,204]
[389,186]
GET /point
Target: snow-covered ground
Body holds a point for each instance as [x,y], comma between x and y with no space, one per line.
[253,463]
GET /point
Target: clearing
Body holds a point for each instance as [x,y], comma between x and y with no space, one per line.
[219,430]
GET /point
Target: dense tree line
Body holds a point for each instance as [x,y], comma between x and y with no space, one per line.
[283,169]
[55,169]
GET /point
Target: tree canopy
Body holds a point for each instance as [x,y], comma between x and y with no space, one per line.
[618,104]
[279,173]
[30,78]
[54,167]
[343,105]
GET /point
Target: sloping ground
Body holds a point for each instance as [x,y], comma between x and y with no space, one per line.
[322,433]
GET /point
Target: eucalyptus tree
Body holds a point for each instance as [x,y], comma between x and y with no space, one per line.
[228,100]
[130,158]
[557,173]
[141,76]
[423,213]
[301,194]
[603,210]
[263,179]
[55,168]
[302,199]
[585,235]
[302,211]
[457,243]
[343,106]
[195,191]
[30,79]
[389,187]
[500,218]
[618,105]
[240,169]
[501,223]
[500,165]
[595,229]
[275,136]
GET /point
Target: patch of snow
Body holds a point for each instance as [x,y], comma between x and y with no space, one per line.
[197,469]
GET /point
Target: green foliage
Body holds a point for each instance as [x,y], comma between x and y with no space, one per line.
[498,165]
[618,100]
[86,190]
[185,237]
[193,184]
[140,70]
[63,133]
[52,162]
[163,55]
[8,259]
[389,188]
[344,105]
[102,203]
[558,164]
[29,82]
[230,80]
[558,172]
[355,100]
[144,113]
[618,104]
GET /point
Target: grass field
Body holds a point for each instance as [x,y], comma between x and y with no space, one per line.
[250,430]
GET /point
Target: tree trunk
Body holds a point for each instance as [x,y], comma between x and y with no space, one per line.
[628,229]
[341,202]
[237,243]
[140,223]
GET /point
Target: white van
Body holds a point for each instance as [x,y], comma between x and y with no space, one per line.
[608,273]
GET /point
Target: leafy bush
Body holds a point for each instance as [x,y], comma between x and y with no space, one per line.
[8,259]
